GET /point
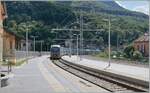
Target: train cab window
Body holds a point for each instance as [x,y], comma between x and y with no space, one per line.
[55,49]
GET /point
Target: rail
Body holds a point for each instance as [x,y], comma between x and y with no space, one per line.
[109,81]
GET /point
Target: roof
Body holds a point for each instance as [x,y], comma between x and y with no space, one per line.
[144,38]
[55,46]
[12,33]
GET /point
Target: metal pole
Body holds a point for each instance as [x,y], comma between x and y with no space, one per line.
[70,43]
[81,34]
[41,46]
[34,44]
[47,47]
[109,42]
[117,42]
[77,48]
[27,45]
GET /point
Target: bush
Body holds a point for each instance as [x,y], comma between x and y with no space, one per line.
[114,53]
[137,55]
[103,54]
[128,51]
[117,54]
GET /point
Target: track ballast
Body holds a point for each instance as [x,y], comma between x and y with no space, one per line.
[109,83]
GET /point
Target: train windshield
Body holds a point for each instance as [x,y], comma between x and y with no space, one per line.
[55,49]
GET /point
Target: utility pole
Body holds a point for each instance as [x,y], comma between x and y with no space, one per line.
[77,36]
[41,45]
[109,27]
[109,41]
[34,40]
[70,44]
[47,46]
[77,46]
[27,45]
[117,42]
[81,34]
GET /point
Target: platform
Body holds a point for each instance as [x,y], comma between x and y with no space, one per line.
[40,75]
[139,73]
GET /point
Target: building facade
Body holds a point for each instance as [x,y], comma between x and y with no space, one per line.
[9,43]
[142,44]
[22,45]
[3,15]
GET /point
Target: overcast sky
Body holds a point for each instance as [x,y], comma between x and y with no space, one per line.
[135,5]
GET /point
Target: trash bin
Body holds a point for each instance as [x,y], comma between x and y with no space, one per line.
[4,80]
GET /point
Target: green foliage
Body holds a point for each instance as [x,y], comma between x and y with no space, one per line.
[40,17]
[103,54]
[128,51]
[118,54]
[131,53]
[137,55]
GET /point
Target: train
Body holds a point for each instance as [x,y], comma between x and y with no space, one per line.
[55,52]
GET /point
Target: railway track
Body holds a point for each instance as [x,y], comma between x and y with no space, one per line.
[112,84]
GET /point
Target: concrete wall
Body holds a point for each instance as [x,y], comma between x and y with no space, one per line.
[20,55]
[1,48]
[1,31]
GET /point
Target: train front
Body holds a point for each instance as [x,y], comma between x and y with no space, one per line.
[55,52]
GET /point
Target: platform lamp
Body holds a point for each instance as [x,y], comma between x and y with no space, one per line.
[109,45]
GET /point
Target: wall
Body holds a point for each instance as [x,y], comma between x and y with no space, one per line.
[8,44]
[21,55]
[145,44]
[1,32]
[1,48]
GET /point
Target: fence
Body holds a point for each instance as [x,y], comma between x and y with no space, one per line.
[21,55]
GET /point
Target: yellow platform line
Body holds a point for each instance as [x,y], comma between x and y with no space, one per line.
[55,85]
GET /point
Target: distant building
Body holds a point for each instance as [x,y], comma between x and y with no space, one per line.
[22,45]
[13,43]
[142,44]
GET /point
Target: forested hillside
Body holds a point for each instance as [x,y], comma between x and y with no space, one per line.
[41,17]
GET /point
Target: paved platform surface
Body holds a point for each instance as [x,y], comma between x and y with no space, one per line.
[40,75]
[127,70]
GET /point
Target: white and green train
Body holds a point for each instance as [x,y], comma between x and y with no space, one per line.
[56,52]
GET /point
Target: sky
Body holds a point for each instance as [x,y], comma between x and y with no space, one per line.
[135,5]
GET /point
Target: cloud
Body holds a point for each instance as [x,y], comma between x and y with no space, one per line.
[139,6]
[120,4]
[143,9]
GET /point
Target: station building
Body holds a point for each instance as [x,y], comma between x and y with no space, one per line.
[9,41]
[142,44]
[3,16]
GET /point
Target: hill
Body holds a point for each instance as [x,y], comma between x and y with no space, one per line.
[40,17]
[109,7]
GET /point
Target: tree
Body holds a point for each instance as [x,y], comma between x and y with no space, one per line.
[128,51]
[137,55]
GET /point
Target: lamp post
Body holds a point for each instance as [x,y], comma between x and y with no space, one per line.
[109,28]
[34,40]
[47,45]
[27,45]
[77,36]
[41,45]
[109,40]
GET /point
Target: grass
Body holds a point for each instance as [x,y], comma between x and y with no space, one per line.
[104,56]
[18,63]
